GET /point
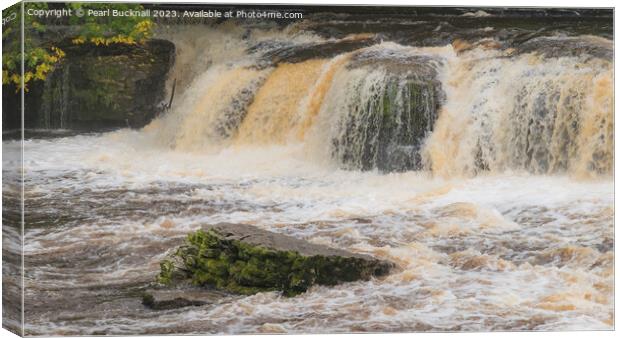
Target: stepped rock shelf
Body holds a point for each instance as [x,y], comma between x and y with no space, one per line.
[243,259]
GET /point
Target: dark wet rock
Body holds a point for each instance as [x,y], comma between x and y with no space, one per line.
[181,296]
[396,61]
[98,88]
[243,259]
[461,46]
[328,49]
[438,27]
[386,130]
[554,47]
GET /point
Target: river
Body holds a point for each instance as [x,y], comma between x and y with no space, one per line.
[499,215]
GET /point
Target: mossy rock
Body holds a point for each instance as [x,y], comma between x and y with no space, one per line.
[385,128]
[243,259]
[97,88]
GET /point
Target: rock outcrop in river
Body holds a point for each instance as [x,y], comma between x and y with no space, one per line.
[243,259]
[98,88]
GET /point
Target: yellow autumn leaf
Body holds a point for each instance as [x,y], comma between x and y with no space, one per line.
[78,41]
[16,79]
[28,77]
[42,71]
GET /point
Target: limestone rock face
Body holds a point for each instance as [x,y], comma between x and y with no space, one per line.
[98,88]
[243,259]
[300,53]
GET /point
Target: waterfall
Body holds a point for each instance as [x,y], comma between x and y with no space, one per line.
[217,111]
[273,114]
[524,112]
[472,148]
[382,107]
[449,110]
[55,99]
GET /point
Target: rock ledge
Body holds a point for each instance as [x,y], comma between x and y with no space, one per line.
[243,259]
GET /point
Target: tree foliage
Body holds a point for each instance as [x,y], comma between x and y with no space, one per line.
[41,44]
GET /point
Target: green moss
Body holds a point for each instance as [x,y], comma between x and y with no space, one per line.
[212,260]
[390,95]
[167,270]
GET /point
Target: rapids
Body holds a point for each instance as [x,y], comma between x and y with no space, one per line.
[483,173]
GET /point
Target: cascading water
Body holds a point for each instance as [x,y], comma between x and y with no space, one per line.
[531,112]
[55,100]
[383,114]
[482,171]
[377,106]
[273,114]
[374,117]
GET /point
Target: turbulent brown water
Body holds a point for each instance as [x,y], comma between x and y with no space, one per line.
[507,223]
